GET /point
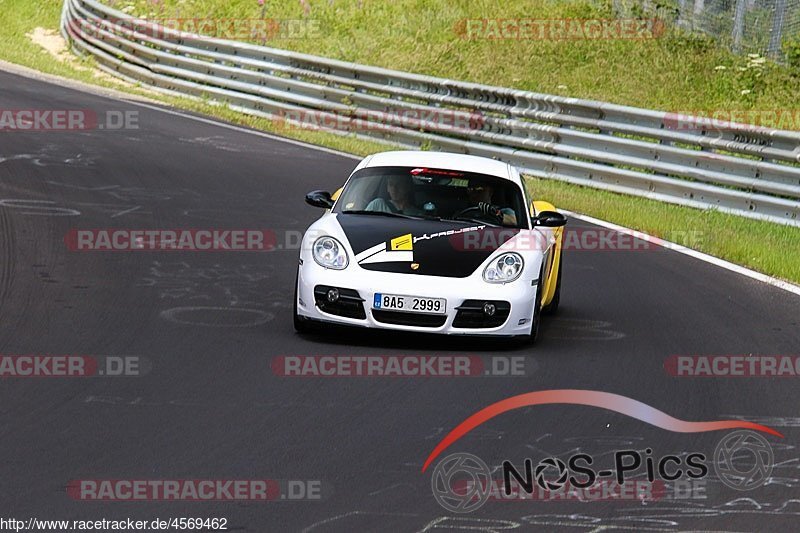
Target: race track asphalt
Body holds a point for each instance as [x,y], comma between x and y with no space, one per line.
[210,324]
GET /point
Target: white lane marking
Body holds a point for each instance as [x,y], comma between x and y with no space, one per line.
[758,276]
[115,94]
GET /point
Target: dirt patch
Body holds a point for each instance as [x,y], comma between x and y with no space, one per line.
[52,42]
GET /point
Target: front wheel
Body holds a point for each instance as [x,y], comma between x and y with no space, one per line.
[301,324]
[552,307]
[536,319]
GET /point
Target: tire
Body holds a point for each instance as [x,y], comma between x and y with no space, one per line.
[552,307]
[301,324]
[536,319]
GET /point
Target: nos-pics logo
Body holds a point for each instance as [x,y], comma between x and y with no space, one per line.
[462,482]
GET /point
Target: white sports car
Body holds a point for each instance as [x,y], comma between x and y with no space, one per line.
[431,242]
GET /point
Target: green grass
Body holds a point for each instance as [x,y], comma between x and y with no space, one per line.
[770,248]
[19,18]
[674,72]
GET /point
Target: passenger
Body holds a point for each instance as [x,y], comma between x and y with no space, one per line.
[401,198]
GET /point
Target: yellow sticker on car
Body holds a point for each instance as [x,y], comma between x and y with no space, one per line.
[403,242]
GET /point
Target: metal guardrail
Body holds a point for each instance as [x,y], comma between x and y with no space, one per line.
[742,169]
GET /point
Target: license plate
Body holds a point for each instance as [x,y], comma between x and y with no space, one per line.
[410,304]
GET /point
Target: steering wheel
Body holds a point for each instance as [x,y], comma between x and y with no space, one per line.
[475,212]
[469,212]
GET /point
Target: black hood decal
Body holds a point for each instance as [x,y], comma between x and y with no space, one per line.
[427,247]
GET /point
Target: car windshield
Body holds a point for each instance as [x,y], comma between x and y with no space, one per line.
[414,192]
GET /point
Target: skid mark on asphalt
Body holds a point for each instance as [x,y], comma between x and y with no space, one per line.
[45,208]
[217,141]
[487,525]
[124,194]
[319,525]
[48,156]
[577,329]
[217,317]
[480,433]
[126,211]
[217,295]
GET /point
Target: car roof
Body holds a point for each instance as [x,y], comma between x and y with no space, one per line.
[442,160]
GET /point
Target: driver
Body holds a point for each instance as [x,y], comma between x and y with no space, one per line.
[480,195]
[401,198]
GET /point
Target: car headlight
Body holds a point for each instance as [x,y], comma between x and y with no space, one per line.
[504,268]
[329,253]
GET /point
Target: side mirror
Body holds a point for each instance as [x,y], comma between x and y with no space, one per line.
[549,219]
[319,199]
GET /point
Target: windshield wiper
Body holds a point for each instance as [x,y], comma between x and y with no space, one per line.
[379,213]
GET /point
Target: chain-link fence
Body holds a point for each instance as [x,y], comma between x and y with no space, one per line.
[769,28]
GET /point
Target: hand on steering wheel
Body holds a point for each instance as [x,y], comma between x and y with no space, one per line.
[491,210]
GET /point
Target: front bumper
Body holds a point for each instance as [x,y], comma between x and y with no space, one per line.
[357,288]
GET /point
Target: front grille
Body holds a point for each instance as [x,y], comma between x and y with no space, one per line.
[470,314]
[349,304]
[403,318]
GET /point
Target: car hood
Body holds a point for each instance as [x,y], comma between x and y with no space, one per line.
[424,247]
